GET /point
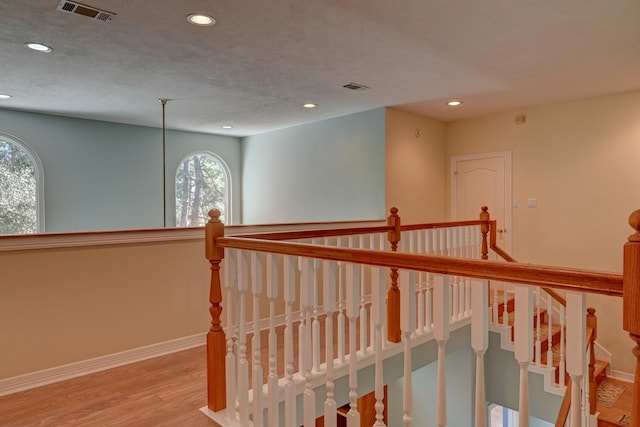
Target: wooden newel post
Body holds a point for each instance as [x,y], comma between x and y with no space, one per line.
[592,322]
[216,341]
[631,305]
[393,295]
[484,229]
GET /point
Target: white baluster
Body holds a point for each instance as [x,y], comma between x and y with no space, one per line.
[256,345]
[421,282]
[496,309]
[538,355]
[562,366]
[480,342]
[523,346]
[303,345]
[290,265]
[353,298]
[441,318]
[230,271]
[429,279]
[505,312]
[315,324]
[407,326]
[243,365]
[378,312]
[364,321]
[550,333]
[576,357]
[442,241]
[272,294]
[306,296]
[329,295]
[452,246]
[467,281]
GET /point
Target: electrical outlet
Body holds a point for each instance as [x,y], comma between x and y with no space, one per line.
[532,203]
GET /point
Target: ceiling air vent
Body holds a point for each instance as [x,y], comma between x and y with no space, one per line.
[355,86]
[83,9]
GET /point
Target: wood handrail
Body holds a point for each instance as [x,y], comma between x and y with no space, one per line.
[316,233]
[560,278]
[507,257]
[447,224]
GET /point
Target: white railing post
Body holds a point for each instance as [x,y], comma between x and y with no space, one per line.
[256,345]
[243,365]
[480,342]
[576,356]
[290,413]
[329,295]
[378,311]
[441,318]
[230,271]
[407,326]
[315,324]
[353,299]
[306,296]
[524,346]
[272,294]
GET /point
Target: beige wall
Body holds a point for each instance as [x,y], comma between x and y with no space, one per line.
[581,161]
[64,305]
[415,167]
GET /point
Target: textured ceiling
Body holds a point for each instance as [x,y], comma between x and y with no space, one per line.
[264,59]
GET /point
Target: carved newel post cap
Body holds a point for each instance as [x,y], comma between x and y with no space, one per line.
[484,208]
[394,211]
[214,215]
[634,222]
[591,311]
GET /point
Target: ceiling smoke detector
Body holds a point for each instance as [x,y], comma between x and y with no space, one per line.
[355,86]
[83,9]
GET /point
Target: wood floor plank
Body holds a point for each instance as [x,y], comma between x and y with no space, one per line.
[163,391]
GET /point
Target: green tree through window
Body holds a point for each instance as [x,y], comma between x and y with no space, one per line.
[18,189]
[201,185]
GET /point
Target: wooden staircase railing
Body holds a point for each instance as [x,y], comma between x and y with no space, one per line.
[529,275]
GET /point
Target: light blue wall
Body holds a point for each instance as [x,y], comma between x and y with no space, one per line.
[105,176]
[330,170]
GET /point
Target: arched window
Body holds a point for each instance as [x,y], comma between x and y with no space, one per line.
[202,183]
[21,188]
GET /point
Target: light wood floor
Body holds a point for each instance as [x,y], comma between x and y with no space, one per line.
[164,391]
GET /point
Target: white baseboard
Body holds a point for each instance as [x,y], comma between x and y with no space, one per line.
[101,363]
[620,375]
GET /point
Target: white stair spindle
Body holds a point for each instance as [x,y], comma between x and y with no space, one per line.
[505,312]
[550,333]
[480,342]
[407,326]
[230,270]
[353,298]
[304,337]
[341,320]
[243,365]
[272,384]
[315,324]
[576,355]
[256,345]
[378,311]
[538,355]
[290,265]
[523,346]
[442,241]
[441,319]
[329,295]
[421,283]
[364,320]
[562,366]
[496,309]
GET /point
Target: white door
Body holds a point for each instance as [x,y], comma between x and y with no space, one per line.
[483,180]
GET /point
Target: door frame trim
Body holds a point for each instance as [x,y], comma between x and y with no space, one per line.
[508,196]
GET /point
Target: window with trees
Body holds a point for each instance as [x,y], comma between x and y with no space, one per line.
[202,183]
[21,207]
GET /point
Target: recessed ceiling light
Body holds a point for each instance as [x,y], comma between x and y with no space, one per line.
[201,20]
[39,47]
[454,103]
[227,127]
[5,96]
[310,105]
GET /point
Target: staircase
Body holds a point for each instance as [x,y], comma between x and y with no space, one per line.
[614,396]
